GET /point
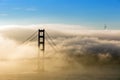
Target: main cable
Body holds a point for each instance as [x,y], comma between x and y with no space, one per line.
[29,37]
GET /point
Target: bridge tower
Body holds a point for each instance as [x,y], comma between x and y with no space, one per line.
[41,49]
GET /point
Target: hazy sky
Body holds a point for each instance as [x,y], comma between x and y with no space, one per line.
[89,13]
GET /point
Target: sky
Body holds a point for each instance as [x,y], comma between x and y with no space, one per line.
[63,15]
[89,13]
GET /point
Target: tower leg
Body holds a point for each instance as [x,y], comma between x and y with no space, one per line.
[41,49]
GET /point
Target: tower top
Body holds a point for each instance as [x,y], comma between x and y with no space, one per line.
[105,27]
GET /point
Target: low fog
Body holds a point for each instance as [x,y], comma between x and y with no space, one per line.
[78,51]
[82,42]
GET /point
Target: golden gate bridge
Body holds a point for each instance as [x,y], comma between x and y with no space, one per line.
[42,37]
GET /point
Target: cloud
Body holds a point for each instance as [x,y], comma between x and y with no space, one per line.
[17,8]
[25,9]
[60,27]
[97,43]
[31,9]
[17,34]
[93,45]
[85,47]
[11,50]
[3,14]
